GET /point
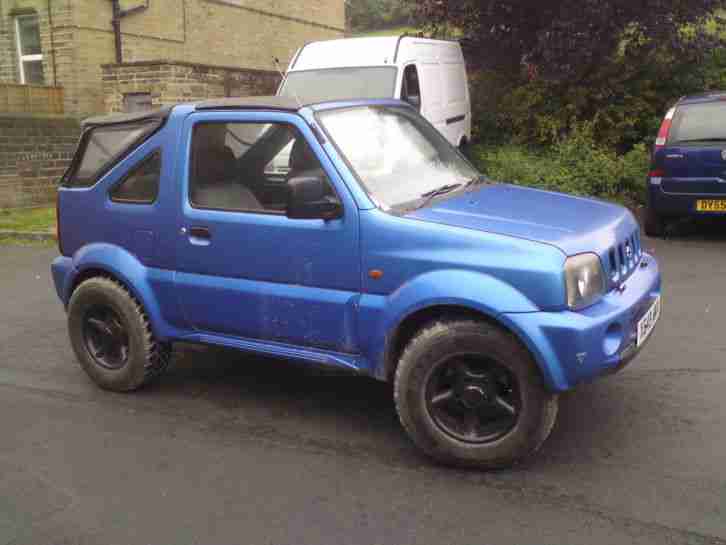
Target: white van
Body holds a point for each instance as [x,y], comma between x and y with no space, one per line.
[429,74]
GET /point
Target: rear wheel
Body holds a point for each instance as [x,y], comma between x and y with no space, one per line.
[470,395]
[112,337]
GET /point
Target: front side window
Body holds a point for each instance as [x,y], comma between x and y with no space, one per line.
[141,186]
[411,91]
[245,167]
[311,86]
[30,54]
[398,157]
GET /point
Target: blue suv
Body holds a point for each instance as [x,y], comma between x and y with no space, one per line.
[688,168]
[350,235]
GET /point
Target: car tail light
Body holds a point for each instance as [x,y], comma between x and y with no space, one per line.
[665,128]
[657,173]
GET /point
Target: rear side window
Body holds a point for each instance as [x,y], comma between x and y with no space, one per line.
[101,147]
[698,122]
[141,186]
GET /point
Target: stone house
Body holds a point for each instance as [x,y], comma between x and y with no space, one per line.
[61,60]
[111,55]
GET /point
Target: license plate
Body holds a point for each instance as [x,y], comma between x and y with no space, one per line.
[647,322]
[711,205]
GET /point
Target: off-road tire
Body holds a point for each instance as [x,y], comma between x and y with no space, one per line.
[147,359]
[442,338]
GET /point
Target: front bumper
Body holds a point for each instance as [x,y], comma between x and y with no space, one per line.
[575,347]
[60,270]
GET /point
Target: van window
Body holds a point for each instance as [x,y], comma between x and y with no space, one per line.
[698,122]
[141,186]
[411,91]
[312,86]
[102,147]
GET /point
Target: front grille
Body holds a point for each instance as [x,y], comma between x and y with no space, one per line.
[623,258]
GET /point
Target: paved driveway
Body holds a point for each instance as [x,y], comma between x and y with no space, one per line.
[231,448]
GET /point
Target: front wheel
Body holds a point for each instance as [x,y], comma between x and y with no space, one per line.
[470,395]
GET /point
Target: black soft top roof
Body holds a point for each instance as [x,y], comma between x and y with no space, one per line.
[159,114]
[286,104]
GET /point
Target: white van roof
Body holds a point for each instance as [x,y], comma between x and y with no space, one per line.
[377,51]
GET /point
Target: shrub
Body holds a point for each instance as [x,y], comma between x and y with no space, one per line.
[625,108]
[575,164]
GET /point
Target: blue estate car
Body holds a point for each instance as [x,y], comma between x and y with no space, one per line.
[377,249]
[688,167]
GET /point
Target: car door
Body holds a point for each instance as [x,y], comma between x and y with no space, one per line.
[245,269]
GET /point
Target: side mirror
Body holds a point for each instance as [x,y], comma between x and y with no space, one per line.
[307,199]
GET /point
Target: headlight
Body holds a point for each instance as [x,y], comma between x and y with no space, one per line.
[584,279]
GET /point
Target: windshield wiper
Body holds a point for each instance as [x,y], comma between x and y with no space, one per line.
[443,190]
[479,180]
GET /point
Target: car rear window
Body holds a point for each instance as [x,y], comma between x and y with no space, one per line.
[103,146]
[699,122]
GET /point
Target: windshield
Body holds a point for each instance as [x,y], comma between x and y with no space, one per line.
[397,155]
[698,122]
[311,86]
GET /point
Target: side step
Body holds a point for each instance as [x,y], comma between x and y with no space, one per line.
[350,362]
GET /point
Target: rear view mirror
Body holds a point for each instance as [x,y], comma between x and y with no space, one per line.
[308,198]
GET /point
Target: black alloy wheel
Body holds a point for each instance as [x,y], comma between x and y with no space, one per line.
[105,337]
[473,399]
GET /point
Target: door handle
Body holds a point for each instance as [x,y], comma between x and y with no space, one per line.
[200,235]
[200,232]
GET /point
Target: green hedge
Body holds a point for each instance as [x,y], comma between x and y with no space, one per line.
[576,164]
[624,110]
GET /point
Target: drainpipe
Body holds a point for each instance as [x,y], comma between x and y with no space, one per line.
[52,44]
[118,14]
[116,24]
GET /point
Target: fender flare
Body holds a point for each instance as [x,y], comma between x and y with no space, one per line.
[470,290]
[127,269]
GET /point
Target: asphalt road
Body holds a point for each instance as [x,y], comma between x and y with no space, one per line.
[230,448]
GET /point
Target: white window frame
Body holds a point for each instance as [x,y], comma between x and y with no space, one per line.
[25,58]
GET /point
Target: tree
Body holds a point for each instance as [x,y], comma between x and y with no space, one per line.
[572,40]
[364,15]
[545,67]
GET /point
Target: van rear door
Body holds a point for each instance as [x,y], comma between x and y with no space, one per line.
[432,106]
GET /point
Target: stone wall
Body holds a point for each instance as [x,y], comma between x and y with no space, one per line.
[238,33]
[172,82]
[56,45]
[34,153]
[59,14]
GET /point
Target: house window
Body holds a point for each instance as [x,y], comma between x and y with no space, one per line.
[30,55]
[137,102]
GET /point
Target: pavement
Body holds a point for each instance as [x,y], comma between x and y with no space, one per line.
[232,448]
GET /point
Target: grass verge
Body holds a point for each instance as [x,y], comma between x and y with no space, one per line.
[15,241]
[37,220]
